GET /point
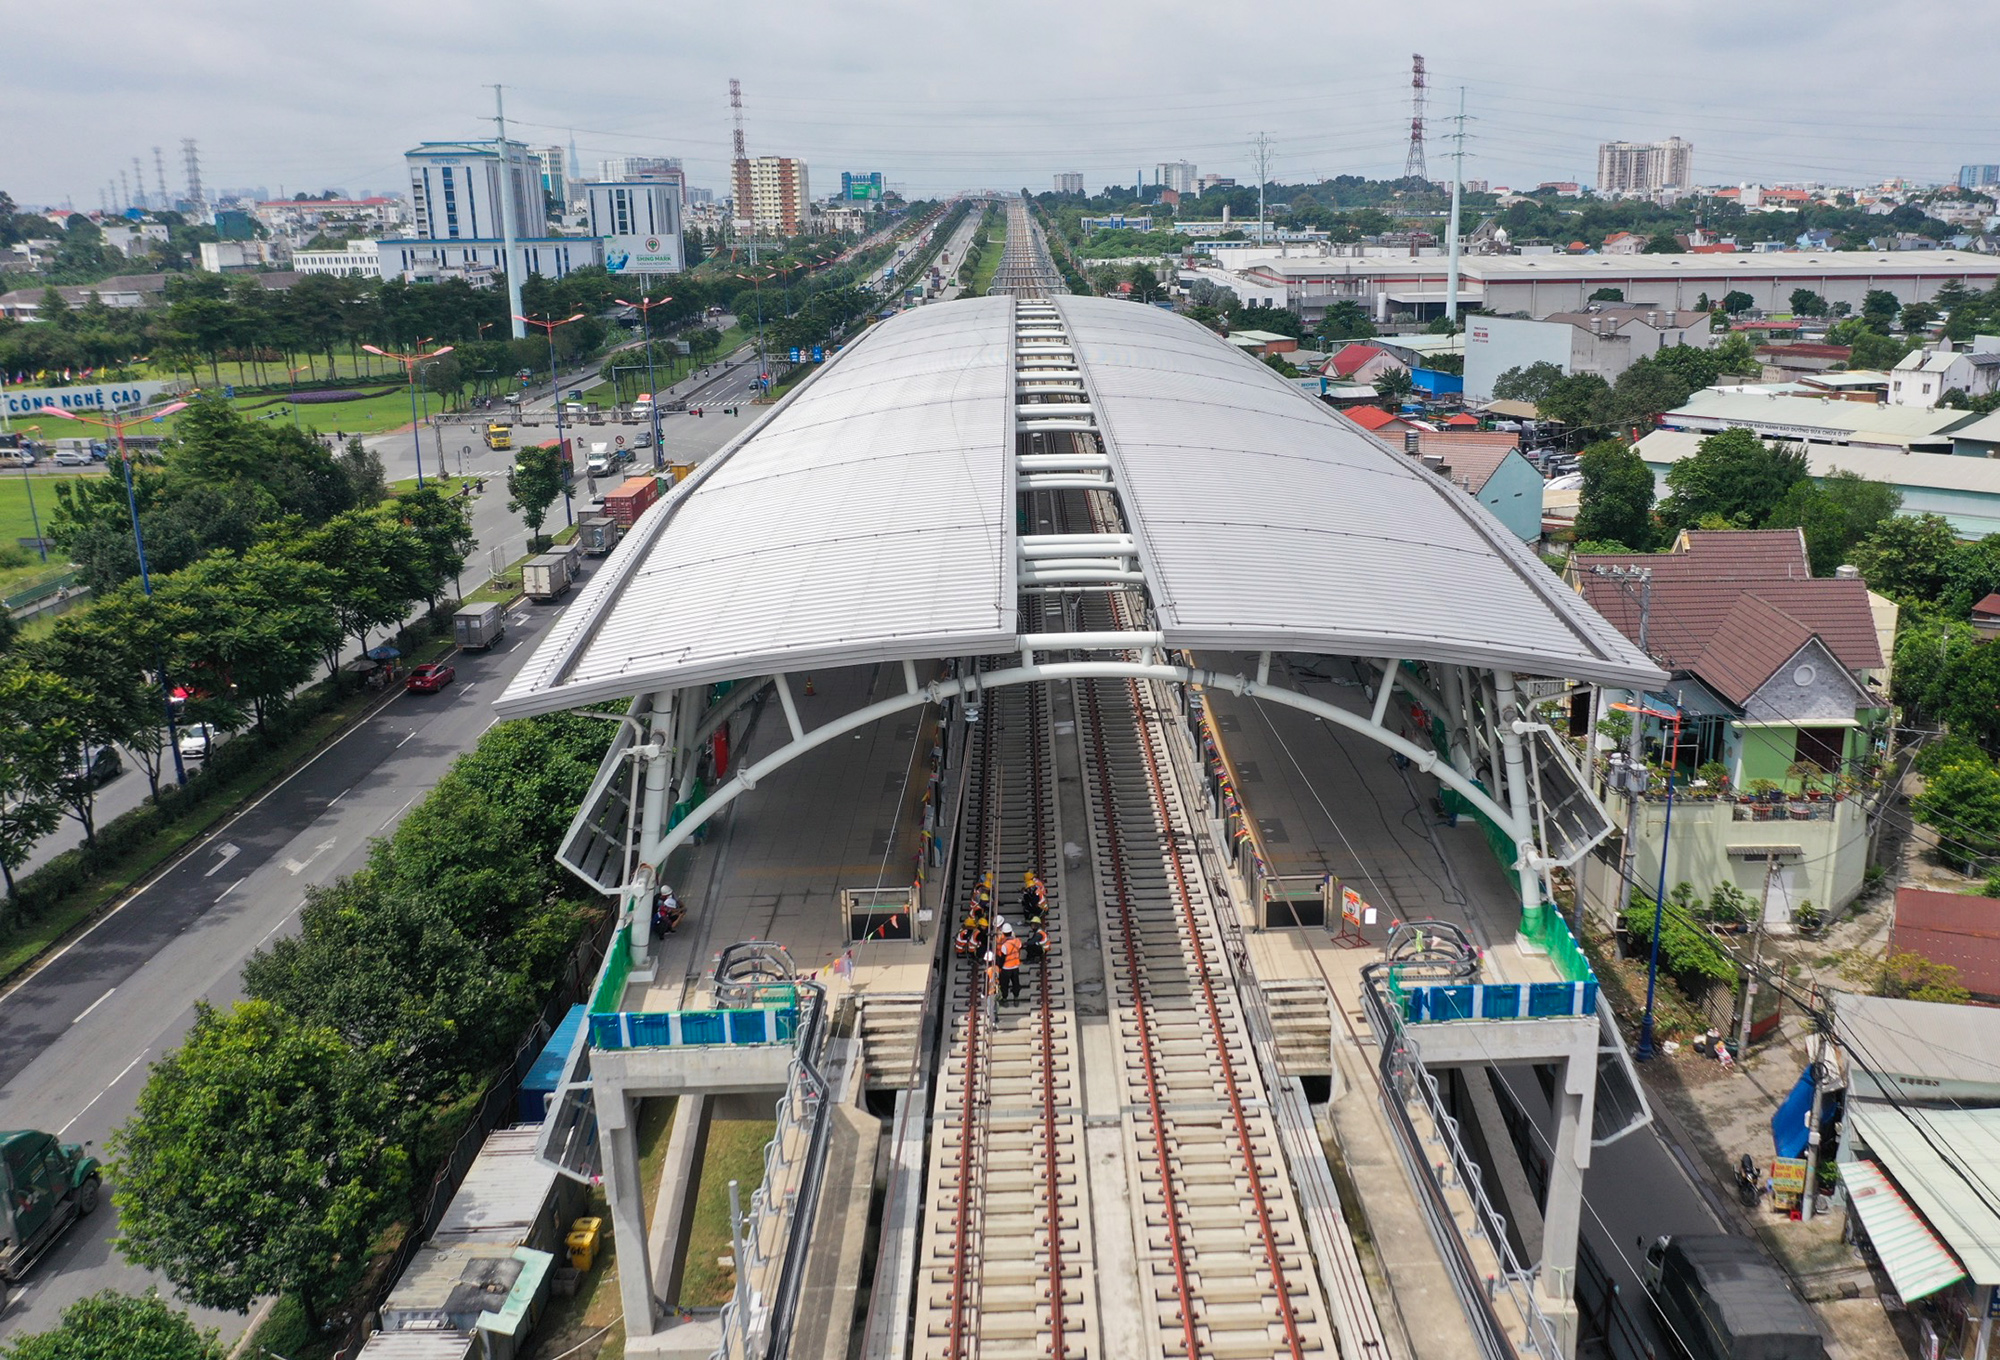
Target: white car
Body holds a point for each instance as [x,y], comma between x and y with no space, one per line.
[71,458]
[197,740]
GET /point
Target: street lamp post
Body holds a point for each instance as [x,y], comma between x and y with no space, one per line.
[33,514]
[409,363]
[555,396]
[652,389]
[118,427]
[292,378]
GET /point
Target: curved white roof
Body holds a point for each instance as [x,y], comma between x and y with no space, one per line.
[870,517]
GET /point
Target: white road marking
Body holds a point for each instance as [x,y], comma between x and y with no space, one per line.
[232,888]
[228,852]
[397,813]
[101,1094]
[295,867]
[411,733]
[338,796]
[94,1005]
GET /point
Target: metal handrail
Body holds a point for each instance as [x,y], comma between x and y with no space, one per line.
[1402,1060]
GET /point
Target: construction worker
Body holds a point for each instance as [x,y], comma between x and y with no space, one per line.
[1034,899]
[992,977]
[966,943]
[976,921]
[1010,964]
[1037,947]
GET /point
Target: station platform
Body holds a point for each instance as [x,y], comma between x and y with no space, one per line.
[1328,801]
[774,864]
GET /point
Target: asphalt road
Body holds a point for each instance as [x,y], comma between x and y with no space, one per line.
[76,1036]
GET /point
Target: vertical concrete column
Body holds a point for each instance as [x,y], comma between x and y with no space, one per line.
[1516,765]
[617,1127]
[1575,1097]
[655,803]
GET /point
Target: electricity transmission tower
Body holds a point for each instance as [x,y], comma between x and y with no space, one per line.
[1413,164]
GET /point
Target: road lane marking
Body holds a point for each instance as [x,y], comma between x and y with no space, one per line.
[232,888]
[94,1005]
[412,732]
[101,1094]
[338,796]
[228,851]
[295,867]
[398,812]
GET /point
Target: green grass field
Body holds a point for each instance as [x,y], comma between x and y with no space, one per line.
[735,1151]
[15,521]
[989,261]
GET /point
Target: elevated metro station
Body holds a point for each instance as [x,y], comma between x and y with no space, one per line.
[1063,587]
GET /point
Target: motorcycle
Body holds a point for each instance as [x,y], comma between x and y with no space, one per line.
[1749,1186]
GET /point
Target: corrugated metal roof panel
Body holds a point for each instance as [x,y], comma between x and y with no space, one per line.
[1918,1264]
[1947,1165]
[1264,520]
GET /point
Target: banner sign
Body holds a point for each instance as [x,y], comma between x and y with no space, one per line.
[25,401]
[642,254]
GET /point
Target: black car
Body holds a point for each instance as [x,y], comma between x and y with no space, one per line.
[99,767]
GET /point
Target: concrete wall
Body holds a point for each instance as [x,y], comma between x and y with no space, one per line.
[1828,870]
[1514,494]
[1770,293]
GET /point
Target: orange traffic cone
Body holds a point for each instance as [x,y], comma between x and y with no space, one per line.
[809,686]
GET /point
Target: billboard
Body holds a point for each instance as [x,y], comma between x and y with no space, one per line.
[861,188]
[642,254]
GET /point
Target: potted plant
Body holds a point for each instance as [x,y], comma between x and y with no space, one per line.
[1714,773]
[1762,790]
[1806,916]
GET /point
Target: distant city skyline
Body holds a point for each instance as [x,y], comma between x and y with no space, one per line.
[293,102]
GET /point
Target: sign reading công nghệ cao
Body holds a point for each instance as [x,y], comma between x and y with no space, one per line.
[87,397]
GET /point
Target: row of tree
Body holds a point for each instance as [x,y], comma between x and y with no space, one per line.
[267,554]
[272,1148]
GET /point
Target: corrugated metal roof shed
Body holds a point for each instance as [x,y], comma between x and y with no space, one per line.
[506,1196]
[1918,1263]
[417,1346]
[871,518]
[1924,1050]
[1960,929]
[1947,1164]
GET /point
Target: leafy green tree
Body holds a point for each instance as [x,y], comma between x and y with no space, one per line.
[533,484]
[121,702]
[1908,557]
[1735,302]
[1805,302]
[401,981]
[255,1164]
[34,742]
[1346,320]
[440,532]
[1608,295]
[1662,244]
[1532,383]
[1918,316]
[1837,513]
[1617,501]
[1577,401]
[371,568]
[362,467]
[1394,385]
[129,1326]
[1878,309]
[1146,284]
[250,628]
[1733,475]
[1646,389]
[1961,803]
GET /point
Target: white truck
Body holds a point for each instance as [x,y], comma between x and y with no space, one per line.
[546,577]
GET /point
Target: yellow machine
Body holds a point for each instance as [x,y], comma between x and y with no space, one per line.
[499,437]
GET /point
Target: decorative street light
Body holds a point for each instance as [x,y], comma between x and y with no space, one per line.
[555,396]
[409,363]
[118,427]
[292,377]
[652,389]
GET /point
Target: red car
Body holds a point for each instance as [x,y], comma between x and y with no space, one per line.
[429,678]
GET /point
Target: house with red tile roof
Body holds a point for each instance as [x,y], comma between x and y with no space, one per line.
[1358,363]
[1775,703]
[1375,420]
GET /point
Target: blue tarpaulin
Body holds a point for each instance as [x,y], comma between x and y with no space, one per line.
[1789,1125]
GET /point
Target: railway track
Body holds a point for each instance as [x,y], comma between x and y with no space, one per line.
[1026,268]
[1007,1269]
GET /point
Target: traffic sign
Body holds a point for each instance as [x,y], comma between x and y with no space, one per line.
[795,355]
[819,354]
[620,441]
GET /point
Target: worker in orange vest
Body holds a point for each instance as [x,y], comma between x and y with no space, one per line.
[1038,943]
[1010,964]
[1034,898]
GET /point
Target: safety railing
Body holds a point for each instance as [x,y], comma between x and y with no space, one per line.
[1404,1077]
[1419,1002]
[773,1019]
[771,1241]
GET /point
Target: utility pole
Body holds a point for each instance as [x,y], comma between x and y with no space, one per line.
[1629,776]
[506,183]
[1820,1029]
[1457,185]
[1756,955]
[1263,178]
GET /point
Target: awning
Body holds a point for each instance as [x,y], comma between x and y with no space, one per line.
[1767,851]
[1918,1264]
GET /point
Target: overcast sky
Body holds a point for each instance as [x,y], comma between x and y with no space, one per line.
[944,96]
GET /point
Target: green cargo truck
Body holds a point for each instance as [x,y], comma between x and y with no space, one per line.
[47,1186]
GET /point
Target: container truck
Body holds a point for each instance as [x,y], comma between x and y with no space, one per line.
[476,627]
[631,499]
[1722,1299]
[546,577]
[598,534]
[45,1187]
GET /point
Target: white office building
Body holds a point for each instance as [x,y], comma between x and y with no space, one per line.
[1178,176]
[1069,182]
[455,197]
[639,223]
[1644,168]
[356,259]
